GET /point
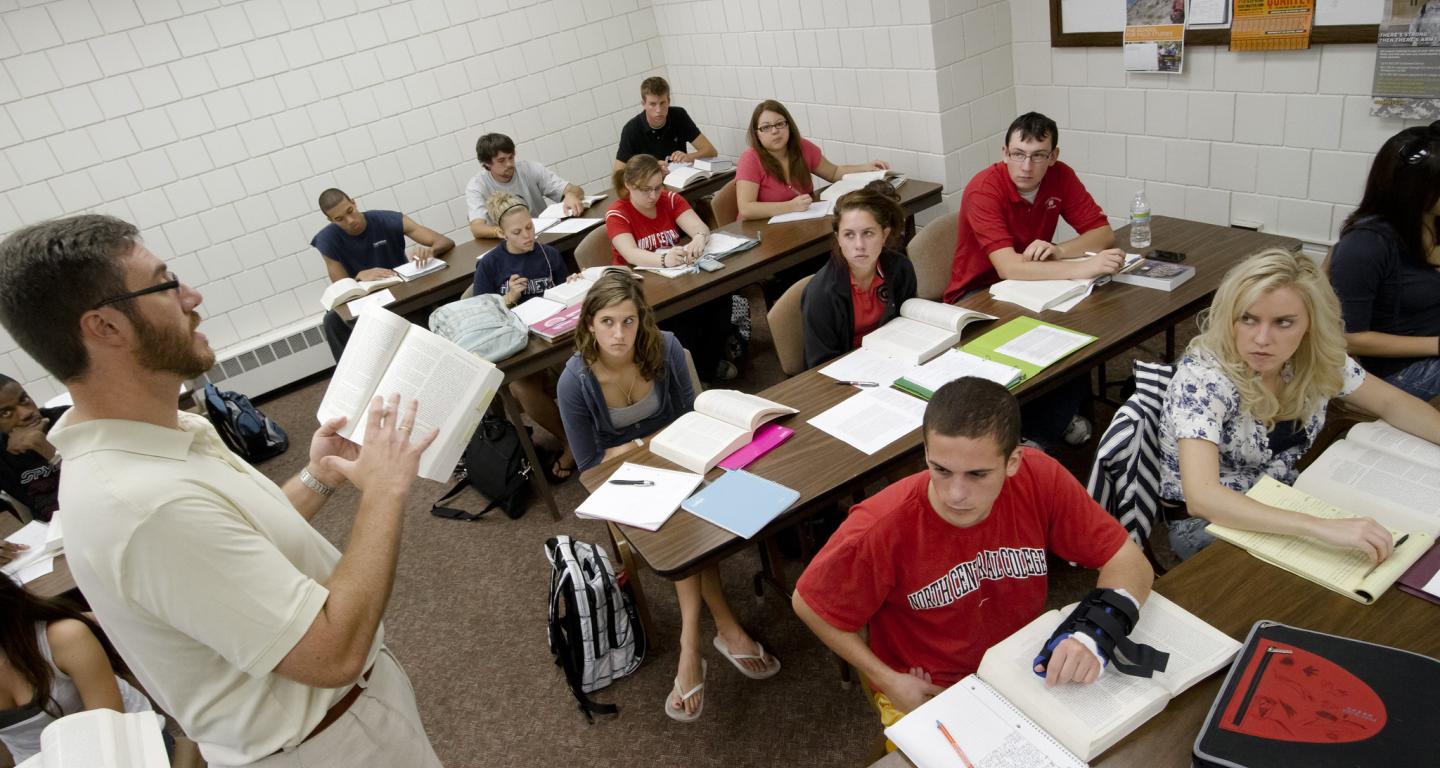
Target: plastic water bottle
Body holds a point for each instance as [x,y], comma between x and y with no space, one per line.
[1139,221]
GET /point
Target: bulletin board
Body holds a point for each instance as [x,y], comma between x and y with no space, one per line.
[1083,23]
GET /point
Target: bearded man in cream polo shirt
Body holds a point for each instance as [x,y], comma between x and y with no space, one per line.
[243,622]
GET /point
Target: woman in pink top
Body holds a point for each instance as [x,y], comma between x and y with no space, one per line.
[773,175]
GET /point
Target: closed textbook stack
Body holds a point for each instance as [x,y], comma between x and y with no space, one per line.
[1159,275]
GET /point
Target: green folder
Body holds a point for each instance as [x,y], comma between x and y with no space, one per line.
[986,345]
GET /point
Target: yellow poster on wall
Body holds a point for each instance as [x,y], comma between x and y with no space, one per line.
[1271,25]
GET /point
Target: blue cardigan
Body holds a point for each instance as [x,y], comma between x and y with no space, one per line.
[587,418]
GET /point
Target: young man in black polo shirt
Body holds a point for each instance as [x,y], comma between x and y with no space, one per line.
[661,131]
[29,466]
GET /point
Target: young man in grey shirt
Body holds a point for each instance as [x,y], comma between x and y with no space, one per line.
[529,180]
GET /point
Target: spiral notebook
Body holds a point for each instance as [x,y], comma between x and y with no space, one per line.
[986,728]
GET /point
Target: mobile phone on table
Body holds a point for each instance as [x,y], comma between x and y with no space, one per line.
[708,264]
[1174,257]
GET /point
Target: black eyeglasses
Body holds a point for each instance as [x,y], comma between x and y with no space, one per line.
[171,284]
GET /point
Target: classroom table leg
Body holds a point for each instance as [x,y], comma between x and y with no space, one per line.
[626,556]
[1170,345]
[772,570]
[537,471]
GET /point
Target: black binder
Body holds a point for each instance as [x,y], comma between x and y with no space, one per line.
[1297,698]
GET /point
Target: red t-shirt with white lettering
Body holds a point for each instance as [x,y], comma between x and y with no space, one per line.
[936,596]
[993,215]
[655,234]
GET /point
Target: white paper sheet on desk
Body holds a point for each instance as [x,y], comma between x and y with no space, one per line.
[364,304]
[865,365]
[668,271]
[1042,345]
[645,507]
[872,419]
[33,535]
[569,226]
[816,211]
[42,567]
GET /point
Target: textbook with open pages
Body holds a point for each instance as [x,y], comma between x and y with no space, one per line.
[1345,570]
[347,288]
[923,330]
[102,738]
[386,355]
[1004,715]
[1383,472]
[722,421]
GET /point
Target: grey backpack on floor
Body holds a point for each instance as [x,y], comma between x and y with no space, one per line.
[482,325]
[595,631]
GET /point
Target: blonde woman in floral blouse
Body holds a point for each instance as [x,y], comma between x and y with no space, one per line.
[1249,397]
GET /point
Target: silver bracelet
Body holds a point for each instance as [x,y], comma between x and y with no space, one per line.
[313,483]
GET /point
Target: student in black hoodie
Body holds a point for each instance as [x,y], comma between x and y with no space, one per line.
[29,465]
[866,279]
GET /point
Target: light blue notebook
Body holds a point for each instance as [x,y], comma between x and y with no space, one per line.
[740,502]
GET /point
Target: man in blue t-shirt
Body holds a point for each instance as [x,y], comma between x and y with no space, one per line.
[367,245]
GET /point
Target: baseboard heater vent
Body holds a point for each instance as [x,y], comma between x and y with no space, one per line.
[272,363]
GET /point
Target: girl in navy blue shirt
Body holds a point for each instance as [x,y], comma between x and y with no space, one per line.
[517,269]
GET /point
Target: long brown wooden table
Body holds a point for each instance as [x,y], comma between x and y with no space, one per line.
[1231,590]
[442,286]
[781,246]
[821,467]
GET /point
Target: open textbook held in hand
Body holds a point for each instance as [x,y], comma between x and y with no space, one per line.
[722,421]
[101,738]
[388,355]
[923,330]
[1343,569]
[1004,715]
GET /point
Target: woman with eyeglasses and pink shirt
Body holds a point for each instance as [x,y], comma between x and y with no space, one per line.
[773,176]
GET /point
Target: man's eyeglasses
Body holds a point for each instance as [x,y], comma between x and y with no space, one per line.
[1017,157]
[772,127]
[171,283]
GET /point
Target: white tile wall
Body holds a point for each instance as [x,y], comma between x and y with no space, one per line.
[1283,139]
[214,126]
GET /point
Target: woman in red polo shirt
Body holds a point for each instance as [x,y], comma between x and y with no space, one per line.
[865,281]
[773,176]
[645,225]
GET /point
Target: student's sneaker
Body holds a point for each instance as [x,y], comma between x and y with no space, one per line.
[1078,432]
[726,371]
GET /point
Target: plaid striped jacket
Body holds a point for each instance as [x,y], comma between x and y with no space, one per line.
[1125,478]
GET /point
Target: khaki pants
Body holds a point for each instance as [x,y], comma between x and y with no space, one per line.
[382,727]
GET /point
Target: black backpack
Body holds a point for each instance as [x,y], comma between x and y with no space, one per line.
[495,465]
[252,435]
[595,630]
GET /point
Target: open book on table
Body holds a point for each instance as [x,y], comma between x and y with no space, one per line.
[1005,712]
[722,421]
[102,738]
[922,381]
[1059,295]
[387,355]
[572,292]
[683,176]
[853,181]
[923,330]
[1345,570]
[1380,471]
[347,288]
[557,210]
[412,270]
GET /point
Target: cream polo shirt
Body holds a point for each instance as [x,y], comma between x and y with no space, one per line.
[202,574]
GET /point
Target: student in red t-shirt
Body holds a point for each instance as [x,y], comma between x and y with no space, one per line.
[645,225]
[1009,212]
[947,562]
[864,283]
[1008,216]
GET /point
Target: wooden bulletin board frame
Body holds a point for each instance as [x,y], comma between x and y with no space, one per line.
[1059,38]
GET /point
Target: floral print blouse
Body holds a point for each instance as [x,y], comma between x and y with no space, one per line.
[1202,403]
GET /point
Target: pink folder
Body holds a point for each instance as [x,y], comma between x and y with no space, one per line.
[766,438]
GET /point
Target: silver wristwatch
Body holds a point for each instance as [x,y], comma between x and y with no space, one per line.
[314,484]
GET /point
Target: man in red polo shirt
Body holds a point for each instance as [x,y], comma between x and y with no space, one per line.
[1009,212]
[1008,216]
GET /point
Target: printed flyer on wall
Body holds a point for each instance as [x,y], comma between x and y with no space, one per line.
[1154,36]
[1271,25]
[1407,61]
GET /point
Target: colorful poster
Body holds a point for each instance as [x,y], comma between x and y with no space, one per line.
[1154,36]
[1407,61]
[1271,25]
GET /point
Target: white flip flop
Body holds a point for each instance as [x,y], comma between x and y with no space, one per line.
[772,664]
[678,713]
